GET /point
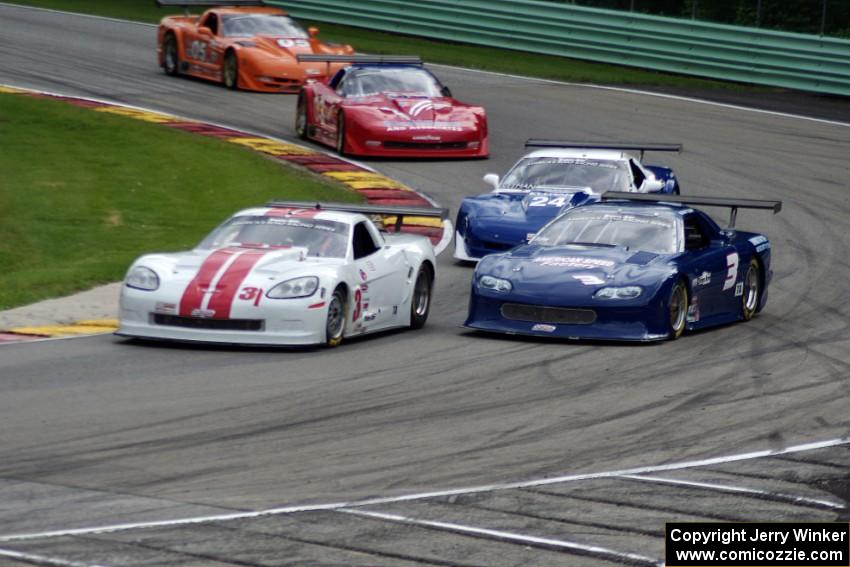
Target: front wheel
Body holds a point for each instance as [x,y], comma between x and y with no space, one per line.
[230,71]
[420,303]
[340,134]
[301,117]
[335,323]
[171,57]
[752,290]
[677,309]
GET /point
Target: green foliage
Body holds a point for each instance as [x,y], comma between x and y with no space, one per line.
[84,192]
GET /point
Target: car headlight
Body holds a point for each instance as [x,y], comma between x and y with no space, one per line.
[142,278]
[297,287]
[628,292]
[494,284]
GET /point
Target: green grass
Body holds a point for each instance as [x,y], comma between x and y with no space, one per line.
[82,193]
[470,56]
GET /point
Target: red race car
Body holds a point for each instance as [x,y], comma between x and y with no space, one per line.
[242,44]
[388,106]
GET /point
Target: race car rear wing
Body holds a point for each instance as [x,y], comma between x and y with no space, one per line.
[197,3]
[370,59]
[398,212]
[726,202]
[642,148]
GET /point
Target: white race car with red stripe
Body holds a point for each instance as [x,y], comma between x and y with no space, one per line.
[285,274]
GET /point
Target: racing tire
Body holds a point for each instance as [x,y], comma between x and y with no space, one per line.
[301,125]
[340,134]
[751,297]
[230,71]
[677,310]
[171,55]
[335,322]
[420,302]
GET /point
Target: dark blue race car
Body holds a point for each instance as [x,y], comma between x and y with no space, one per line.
[632,267]
[546,182]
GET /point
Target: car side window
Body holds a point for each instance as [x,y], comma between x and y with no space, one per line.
[363,243]
[337,78]
[211,21]
[695,237]
[637,174]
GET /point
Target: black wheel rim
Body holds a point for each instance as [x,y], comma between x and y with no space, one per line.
[678,309]
[230,71]
[301,118]
[336,318]
[170,56]
[751,290]
[421,295]
[340,134]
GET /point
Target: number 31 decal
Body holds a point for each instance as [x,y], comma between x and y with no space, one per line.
[731,271]
[251,293]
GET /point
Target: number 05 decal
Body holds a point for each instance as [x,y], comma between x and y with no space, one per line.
[731,271]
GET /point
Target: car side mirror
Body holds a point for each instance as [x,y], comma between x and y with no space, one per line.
[446,92]
[492,179]
[652,185]
[204,30]
[313,31]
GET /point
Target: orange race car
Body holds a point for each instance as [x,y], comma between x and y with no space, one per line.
[243,44]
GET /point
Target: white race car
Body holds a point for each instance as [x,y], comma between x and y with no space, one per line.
[285,274]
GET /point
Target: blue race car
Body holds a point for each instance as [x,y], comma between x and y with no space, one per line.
[626,269]
[549,181]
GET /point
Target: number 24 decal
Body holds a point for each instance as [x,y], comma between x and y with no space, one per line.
[543,201]
[731,271]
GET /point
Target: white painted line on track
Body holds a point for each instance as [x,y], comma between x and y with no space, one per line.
[626,90]
[43,560]
[737,489]
[506,536]
[337,506]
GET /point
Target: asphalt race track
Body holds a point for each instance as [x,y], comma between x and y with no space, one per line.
[103,432]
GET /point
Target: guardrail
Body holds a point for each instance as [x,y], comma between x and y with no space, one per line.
[751,55]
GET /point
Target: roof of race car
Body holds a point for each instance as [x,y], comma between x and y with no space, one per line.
[281,212]
[611,155]
[249,10]
[660,208]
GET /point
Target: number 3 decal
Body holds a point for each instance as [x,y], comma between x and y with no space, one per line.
[731,271]
[358,296]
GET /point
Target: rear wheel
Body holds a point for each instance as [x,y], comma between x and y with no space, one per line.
[335,323]
[171,57]
[677,309]
[752,290]
[340,134]
[301,117]
[230,71]
[420,303]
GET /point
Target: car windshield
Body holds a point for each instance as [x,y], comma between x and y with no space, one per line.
[262,24]
[396,80]
[328,239]
[612,227]
[599,175]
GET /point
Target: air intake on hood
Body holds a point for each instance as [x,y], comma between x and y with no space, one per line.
[642,258]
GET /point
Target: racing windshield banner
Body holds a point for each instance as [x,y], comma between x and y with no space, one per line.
[809,544]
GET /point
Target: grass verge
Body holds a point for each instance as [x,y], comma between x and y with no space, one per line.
[461,55]
[83,193]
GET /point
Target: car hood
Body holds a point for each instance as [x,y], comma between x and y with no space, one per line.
[575,270]
[207,282]
[417,109]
